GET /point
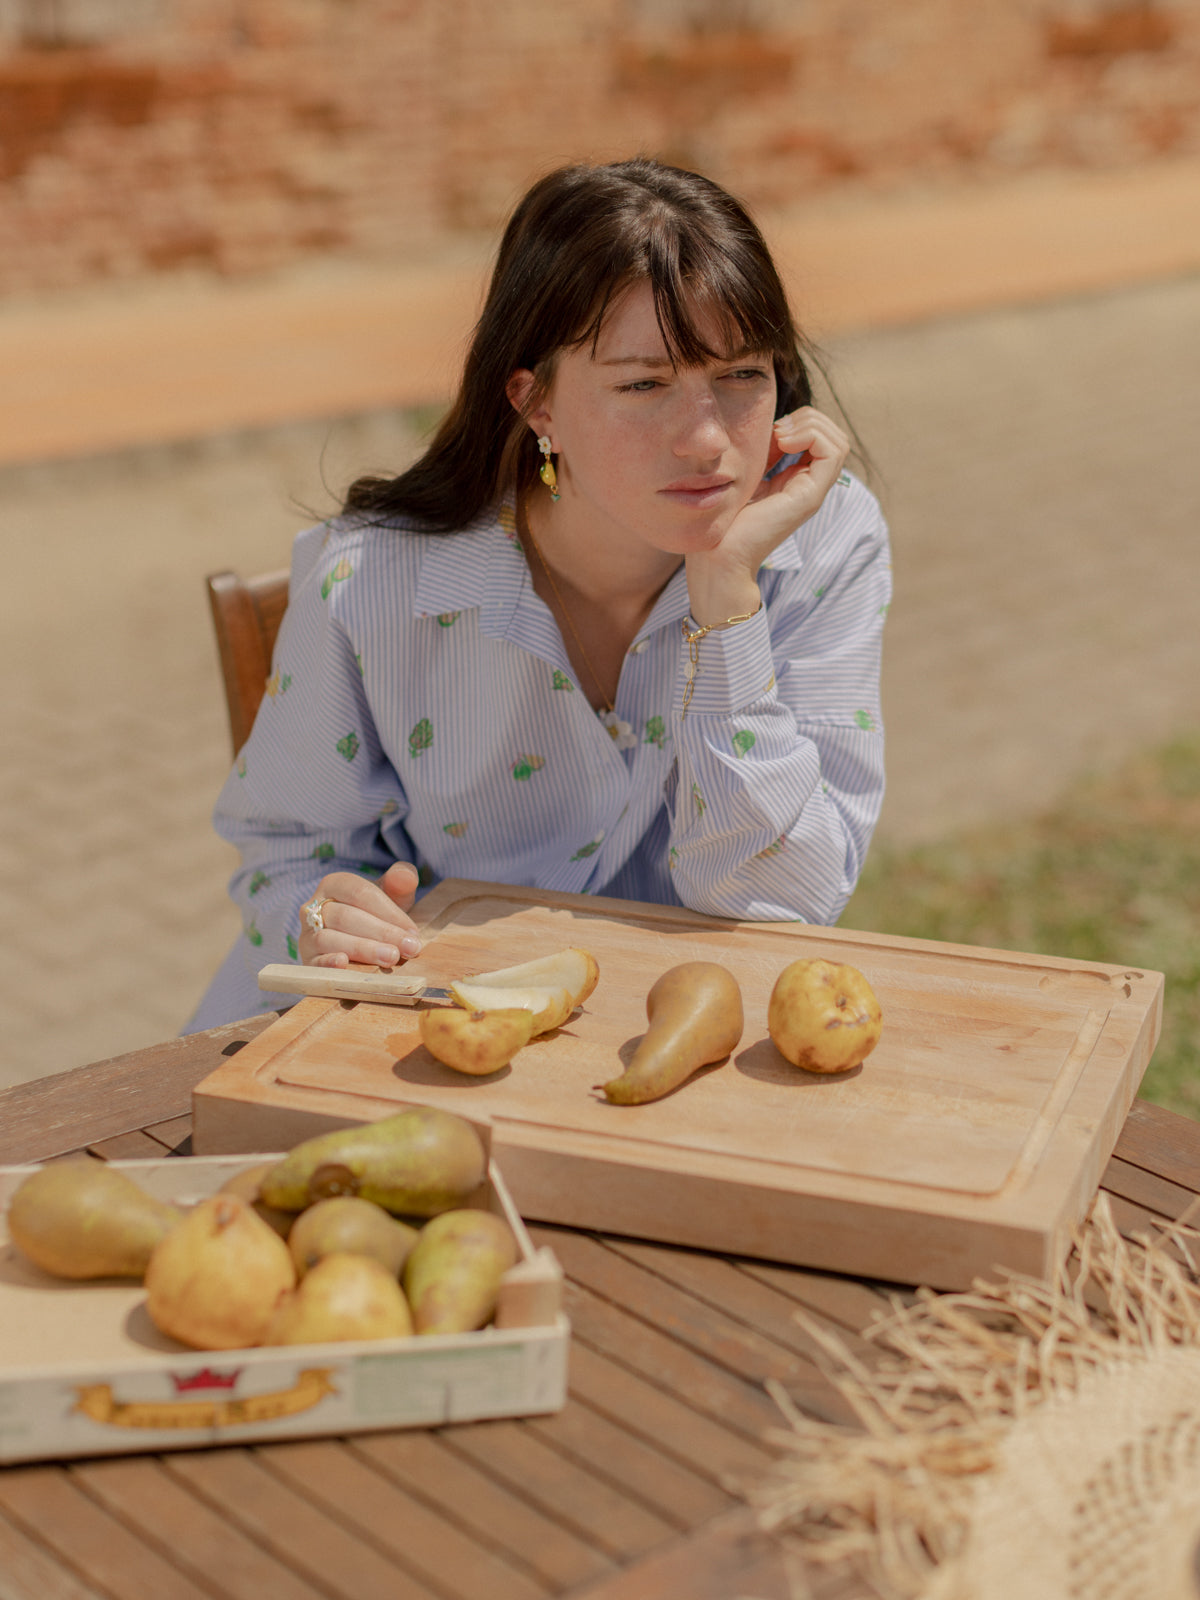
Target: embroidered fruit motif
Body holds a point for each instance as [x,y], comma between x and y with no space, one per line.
[293,949]
[743,740]
[455,829]
[589,849]
[447,619]
[559,680]
[864,719]
[421,737]
[698,801]
[240,769]
[525,766]
[656,732]
[324,852]
[253,934]
[776,847]
[257,882]
[347,748]
[339,574]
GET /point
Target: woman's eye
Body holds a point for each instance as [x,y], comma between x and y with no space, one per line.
[638,386]
[746,374]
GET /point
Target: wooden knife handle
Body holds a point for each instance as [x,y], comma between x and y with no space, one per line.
[342,983]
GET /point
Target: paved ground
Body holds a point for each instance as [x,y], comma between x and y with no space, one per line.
[1038,467]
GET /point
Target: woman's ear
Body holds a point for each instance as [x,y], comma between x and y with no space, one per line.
[519,389]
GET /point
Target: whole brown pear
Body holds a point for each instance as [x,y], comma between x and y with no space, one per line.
[84,1219]
[343,1297]
[213,1282]
[824,1016]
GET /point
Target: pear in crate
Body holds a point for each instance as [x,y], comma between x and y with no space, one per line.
[84,1219]
[416,1163]
[343,1297]
[345,1224]
[246,1184]
[452,1277]
[213,1282]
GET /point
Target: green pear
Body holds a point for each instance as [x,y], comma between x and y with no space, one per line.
[213,1282]
[343,1297]
[416,1163]
[84,1219]
[348,1225]
[452,1277]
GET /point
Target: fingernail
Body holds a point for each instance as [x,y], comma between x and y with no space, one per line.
[386,955]
[410,945]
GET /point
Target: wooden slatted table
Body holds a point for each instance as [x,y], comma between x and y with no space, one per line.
[626,1494]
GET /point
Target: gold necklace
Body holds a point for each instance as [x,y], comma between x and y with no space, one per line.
[526,531]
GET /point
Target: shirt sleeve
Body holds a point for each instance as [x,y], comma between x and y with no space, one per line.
[311,791]
[780,750]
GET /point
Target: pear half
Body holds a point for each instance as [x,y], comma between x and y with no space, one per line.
[475,1042]
[574,970]
[550,1007]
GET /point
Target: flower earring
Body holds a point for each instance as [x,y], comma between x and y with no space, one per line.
[547,473]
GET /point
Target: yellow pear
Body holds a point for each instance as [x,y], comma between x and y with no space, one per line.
[453,1275]
[823,1016]
[475,1042]
[346,1224]
[214,1280]
[550,1007]
[343,1297]
[82,1218]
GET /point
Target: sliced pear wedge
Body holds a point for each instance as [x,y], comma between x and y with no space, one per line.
[550,1007]
[574,970]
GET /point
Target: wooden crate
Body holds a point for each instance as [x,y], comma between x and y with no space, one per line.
[84,1372]
[972,1138]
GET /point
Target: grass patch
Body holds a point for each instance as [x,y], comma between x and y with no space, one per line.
[1111,874]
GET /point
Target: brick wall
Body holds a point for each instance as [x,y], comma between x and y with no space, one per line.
[145,136]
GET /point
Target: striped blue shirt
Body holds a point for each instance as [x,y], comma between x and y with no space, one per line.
[421,707]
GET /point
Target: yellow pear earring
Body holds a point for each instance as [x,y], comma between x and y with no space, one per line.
[547,473]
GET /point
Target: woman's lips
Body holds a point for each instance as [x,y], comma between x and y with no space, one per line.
[697,492]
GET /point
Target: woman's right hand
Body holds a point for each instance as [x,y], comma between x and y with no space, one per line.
[366,920]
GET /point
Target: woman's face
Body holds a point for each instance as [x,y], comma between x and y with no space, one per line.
[667,456]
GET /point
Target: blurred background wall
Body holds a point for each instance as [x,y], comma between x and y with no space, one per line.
[231,136]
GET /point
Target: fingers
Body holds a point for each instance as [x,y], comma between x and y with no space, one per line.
[820,443]
[362,920]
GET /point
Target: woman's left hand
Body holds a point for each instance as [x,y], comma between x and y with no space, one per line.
[723,582]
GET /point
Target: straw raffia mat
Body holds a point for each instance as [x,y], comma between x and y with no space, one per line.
[1021,1441]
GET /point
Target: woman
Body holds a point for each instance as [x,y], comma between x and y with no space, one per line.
[616,632]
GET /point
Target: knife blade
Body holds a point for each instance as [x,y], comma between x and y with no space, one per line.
[349,983]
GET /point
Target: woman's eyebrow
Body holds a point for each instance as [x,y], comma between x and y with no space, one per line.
[636,361]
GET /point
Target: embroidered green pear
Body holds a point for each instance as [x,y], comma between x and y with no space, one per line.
[347,748]
[656,731]
[525,766]
[421,737]
[337,574]
[743,740]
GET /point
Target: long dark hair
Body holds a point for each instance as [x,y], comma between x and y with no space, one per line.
[582,235]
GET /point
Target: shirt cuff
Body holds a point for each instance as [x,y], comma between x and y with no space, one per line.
[734,668]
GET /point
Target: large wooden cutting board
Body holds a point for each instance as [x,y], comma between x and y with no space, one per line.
[972,1138]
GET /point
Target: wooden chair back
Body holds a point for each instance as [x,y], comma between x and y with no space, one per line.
[246,614]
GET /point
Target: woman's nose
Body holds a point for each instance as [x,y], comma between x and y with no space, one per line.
[703,433]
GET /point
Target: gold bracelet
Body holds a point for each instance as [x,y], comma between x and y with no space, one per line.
[692,640]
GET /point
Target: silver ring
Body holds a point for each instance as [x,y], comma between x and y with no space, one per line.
[312,913]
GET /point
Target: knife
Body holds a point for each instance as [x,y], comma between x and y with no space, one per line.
[349,983]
